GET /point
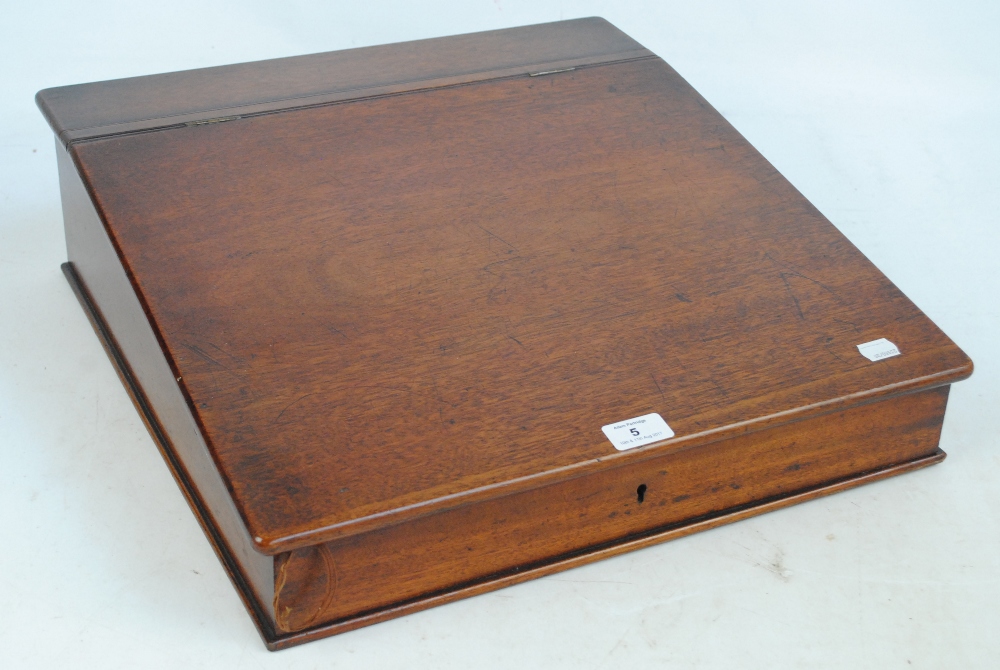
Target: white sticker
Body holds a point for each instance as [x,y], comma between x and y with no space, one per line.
[878,349]
[636,432]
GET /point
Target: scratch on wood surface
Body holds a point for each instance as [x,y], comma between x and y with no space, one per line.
[626,212]
[497,237]
[793,271]
[662,397]
[718,387]
[224,352]
[200,353]
[290,405]
[788,287]
[336,331]
[849,323]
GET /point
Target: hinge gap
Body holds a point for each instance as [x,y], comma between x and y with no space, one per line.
[220,119]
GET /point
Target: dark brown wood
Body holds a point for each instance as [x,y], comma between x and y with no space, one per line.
[138,104]
[376,336]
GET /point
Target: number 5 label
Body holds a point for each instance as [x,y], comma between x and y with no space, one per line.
[636,432]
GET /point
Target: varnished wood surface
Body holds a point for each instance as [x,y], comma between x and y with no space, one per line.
[919,421]
[92,110]
[252,578]
[369,322]
[697,525]
[100,283]
[481,543]
[377,339]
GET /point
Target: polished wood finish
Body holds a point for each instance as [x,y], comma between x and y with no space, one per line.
[174,99]
[483,322]
[376,336]
[120,321]
[476,543]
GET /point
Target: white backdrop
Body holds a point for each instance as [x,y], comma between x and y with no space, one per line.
[884,114]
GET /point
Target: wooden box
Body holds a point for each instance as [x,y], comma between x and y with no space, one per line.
[414,322]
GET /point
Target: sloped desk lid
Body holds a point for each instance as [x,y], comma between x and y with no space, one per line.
[385,302]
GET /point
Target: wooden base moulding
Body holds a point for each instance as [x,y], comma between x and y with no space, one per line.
[375,307]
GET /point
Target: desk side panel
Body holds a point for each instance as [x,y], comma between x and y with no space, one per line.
[104,289]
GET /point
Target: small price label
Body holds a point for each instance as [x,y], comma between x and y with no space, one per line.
[632,433]
[878,349]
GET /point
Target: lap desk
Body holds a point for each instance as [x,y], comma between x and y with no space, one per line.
[414,322]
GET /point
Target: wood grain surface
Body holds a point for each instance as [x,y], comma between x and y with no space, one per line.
[367,320]
[383,331]
[118,318]
[476,544]
[86,111]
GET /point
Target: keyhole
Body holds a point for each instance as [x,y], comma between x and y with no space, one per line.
[641,492]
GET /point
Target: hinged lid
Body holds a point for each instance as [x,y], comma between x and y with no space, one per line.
[399,278]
